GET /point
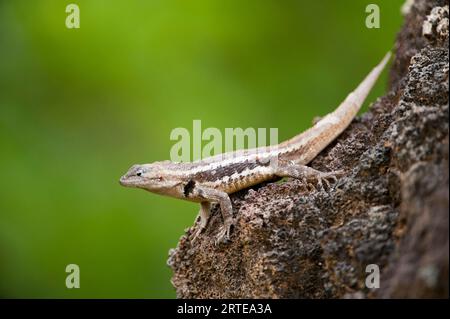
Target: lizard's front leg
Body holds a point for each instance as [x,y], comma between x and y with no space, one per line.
[213,195]
[204,213]
[305,173]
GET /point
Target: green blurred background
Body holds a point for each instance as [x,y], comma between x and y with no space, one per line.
[79,106]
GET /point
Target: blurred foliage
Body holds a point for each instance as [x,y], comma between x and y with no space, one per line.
[78,107]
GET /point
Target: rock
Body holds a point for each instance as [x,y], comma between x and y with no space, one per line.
[390,209]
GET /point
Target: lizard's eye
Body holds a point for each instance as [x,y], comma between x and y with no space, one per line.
[139,173]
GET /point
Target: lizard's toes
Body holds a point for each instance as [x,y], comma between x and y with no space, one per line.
[327,183]
[319,183]
[224,233]
[311,187]
[222,237]
[335,174]
[331,177]
[194,236]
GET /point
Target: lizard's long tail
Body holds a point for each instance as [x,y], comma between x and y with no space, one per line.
[307,145]
[348,109]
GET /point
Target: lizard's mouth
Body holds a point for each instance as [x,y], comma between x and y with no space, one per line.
[125,181]
[133,181]
[122,181]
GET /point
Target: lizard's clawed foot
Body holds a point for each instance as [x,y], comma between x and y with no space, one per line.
[224,232]
[201,221]
[193,238]
[324,178]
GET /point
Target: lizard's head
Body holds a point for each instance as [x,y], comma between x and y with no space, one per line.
[150,177]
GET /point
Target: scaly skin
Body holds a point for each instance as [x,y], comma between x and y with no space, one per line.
[214,178]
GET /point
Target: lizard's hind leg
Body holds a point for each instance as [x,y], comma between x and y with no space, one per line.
[306,173]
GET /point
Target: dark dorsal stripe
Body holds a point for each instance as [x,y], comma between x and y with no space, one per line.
[228,170]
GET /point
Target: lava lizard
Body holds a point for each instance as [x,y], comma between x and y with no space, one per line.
[212,179]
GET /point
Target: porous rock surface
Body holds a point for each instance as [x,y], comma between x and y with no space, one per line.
[390,209]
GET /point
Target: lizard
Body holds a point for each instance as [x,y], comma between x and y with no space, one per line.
[213,179]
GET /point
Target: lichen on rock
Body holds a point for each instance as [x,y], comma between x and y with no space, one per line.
[435,27]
